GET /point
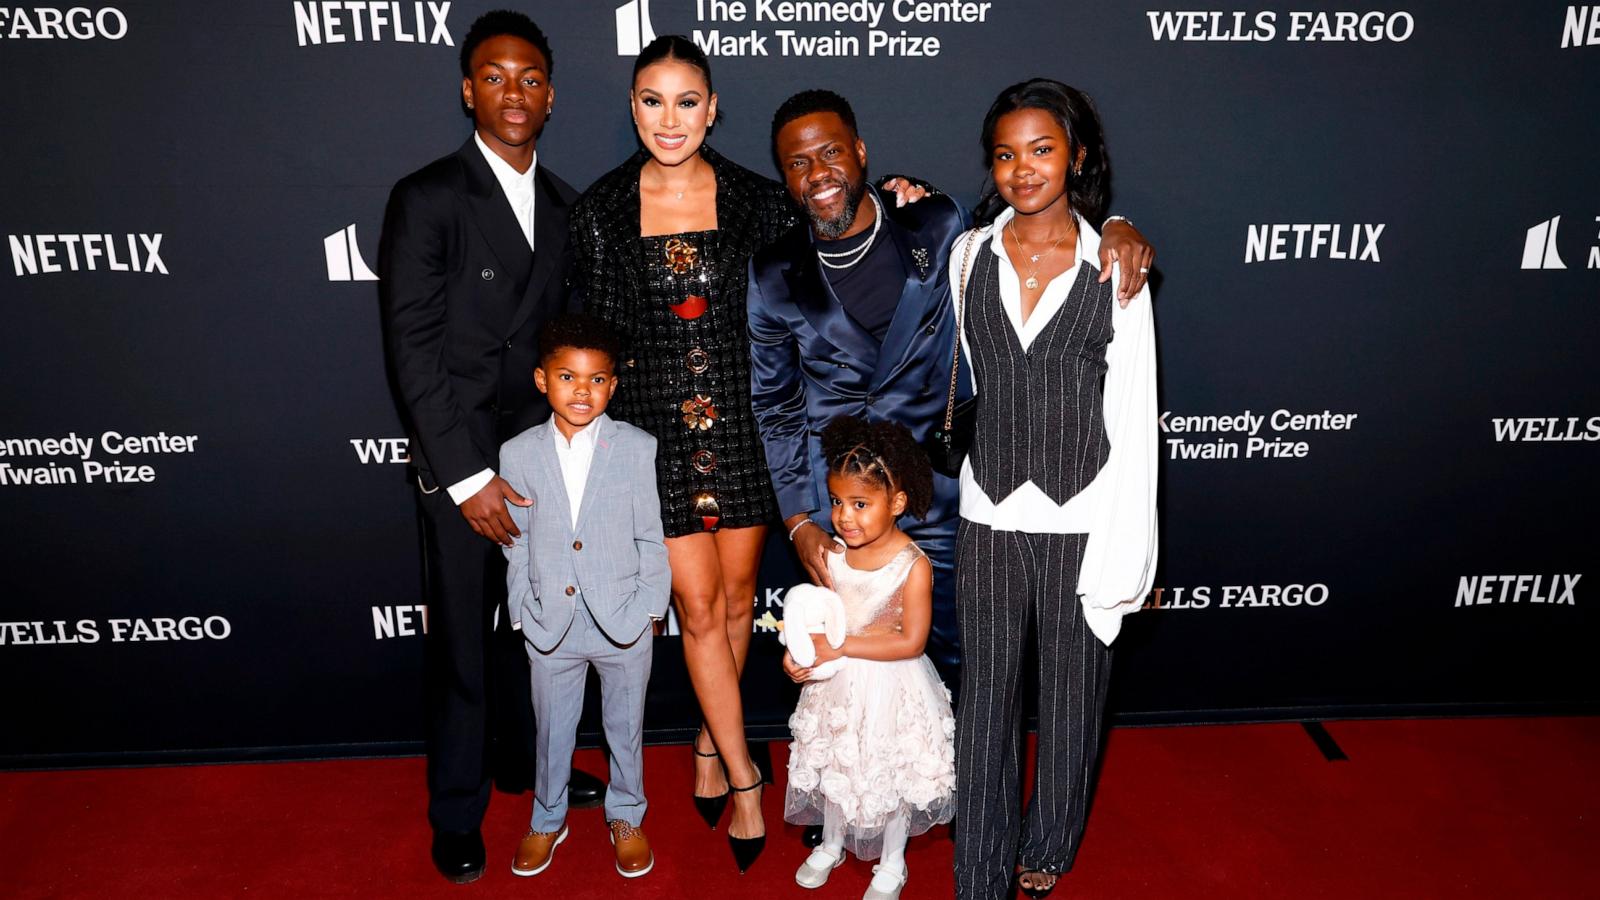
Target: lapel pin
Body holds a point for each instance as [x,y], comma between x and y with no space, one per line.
[488,274]
[920,257]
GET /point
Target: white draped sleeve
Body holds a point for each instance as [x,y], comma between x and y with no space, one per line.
[1119,559]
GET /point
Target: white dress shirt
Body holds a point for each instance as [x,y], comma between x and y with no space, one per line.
[518,188]
[1117,510]
[575,457]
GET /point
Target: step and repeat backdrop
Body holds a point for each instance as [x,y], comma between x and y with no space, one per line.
[1378,297]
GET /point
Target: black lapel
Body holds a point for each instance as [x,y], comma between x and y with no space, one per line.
[550,216]
[623,207]
[491,213]
[614,199]
[739,229]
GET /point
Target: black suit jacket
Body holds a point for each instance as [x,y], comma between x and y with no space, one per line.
[463,298]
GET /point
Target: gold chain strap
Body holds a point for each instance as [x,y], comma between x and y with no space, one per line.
[955,355]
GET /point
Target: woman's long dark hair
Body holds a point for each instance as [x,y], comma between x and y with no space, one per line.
[1090,186]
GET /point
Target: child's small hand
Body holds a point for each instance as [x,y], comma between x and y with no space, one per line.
[825,651]
[797,673]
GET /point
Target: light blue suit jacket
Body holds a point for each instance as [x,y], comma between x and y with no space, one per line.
[614,561]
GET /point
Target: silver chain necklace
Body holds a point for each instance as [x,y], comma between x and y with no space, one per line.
[859,253]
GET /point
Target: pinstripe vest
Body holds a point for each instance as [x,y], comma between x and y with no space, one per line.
[1041,413]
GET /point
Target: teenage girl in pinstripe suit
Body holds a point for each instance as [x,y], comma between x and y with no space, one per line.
[1057,536]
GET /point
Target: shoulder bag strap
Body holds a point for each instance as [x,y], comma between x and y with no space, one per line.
[955,354]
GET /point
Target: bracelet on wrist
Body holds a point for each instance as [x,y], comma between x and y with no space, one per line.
[1109,219]
[799,525]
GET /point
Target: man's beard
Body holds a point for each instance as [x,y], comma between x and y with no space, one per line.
[834,228]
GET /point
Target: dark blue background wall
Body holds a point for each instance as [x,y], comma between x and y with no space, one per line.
[1435,554]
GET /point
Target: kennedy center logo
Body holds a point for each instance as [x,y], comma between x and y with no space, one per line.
[634,31]
[344,257]
[1539,251]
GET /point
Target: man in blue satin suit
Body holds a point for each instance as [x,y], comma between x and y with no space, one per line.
[852,317]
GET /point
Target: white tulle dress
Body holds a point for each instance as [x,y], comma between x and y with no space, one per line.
[876,742]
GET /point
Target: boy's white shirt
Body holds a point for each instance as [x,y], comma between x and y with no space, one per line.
[575,457]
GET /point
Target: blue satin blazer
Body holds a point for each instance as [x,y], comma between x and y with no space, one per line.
[811,362]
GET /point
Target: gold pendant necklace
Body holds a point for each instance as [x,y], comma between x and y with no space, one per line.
[1032,281]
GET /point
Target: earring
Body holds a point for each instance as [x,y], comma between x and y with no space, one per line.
[470,106]
[548,112]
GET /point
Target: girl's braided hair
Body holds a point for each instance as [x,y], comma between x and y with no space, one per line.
[883,453]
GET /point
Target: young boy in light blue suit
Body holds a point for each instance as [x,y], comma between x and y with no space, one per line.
[586,579]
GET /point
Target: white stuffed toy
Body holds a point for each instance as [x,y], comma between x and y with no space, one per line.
[807,610]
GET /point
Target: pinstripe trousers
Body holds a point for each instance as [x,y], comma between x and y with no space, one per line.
[1007,581]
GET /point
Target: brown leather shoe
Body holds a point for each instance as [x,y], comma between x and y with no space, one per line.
[633,849]
[537,850]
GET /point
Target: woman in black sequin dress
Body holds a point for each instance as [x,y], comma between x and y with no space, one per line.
[662,245]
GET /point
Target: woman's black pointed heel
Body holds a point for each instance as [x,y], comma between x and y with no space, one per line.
[710,808]
[745,850]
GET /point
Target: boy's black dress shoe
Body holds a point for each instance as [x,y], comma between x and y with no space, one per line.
[458,855]
[584,791]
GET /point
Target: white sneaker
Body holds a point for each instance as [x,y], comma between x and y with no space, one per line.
[814,872]
[886,883]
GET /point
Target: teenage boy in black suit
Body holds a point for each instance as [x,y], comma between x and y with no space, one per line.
[474,260]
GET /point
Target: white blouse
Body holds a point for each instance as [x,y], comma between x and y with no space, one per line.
[1118,508]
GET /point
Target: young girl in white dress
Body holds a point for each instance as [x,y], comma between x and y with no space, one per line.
[873,757]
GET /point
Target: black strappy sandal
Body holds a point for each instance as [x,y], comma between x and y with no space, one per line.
[710,808]
[745,850]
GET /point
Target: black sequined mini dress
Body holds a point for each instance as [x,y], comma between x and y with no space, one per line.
[678,304]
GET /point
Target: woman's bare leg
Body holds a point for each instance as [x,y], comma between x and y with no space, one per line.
[739,553]
[697,591]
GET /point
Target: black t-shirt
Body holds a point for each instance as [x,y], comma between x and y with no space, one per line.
[870,289]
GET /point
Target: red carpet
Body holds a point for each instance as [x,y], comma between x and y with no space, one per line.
[1493,808]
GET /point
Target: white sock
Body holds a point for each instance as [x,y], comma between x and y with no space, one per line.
[832,831]
[894,845]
